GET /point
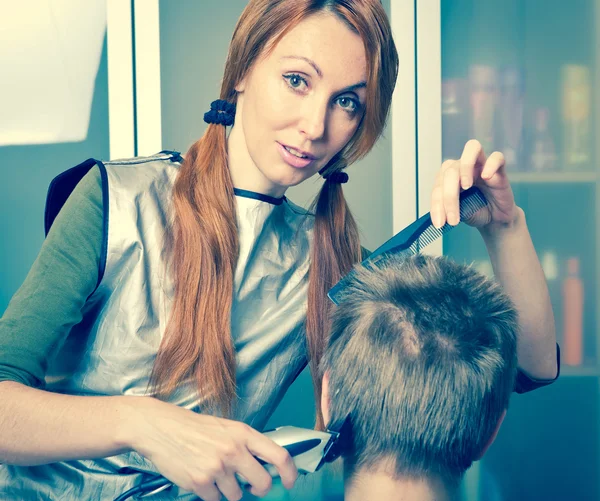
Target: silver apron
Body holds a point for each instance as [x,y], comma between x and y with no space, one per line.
[112,350]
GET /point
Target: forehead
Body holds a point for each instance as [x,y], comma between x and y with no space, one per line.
[326,40]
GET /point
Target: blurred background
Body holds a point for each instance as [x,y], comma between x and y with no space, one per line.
[521,76]
[518,75]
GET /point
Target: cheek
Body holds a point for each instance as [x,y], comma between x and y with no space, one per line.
[270,104]
[342,131]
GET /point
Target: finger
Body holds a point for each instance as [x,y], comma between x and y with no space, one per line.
[472,157]
[446,164]
[494,163]
[263,447]
[451,190]
[439,177]
[207,490]
[229,487]
[259,480]
[438,216]
[473,153]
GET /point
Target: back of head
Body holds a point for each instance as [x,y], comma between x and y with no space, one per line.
[422,355]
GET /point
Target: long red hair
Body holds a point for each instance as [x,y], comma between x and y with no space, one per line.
[204,240]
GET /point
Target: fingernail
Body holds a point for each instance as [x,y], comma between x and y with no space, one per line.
[452,218]
[466,182]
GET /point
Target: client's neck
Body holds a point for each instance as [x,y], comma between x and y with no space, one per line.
[378,485]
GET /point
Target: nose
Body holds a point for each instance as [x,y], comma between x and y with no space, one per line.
[313,121]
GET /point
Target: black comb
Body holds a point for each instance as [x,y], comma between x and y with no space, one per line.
[415,237]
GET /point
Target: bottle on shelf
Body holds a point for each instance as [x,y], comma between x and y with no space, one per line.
[576,105]
[510,111]
[549,262]
[572,290]
[455,121]
[543,150]
[483,93]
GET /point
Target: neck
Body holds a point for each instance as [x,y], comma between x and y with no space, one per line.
[244,173]
[377,485]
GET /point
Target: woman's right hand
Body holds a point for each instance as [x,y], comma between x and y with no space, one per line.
[202,453]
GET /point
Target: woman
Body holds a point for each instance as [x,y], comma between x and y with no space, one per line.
[202,283]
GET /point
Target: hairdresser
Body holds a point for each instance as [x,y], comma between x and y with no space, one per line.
[176,298]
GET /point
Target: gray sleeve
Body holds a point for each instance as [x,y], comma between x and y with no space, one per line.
[49,302]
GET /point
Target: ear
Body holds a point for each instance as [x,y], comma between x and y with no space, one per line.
[325,398]
[241,86]
[492,437]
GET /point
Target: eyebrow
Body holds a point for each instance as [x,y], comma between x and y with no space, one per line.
[320,73]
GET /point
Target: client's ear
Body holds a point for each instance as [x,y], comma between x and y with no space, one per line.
[325,398]
[492,437]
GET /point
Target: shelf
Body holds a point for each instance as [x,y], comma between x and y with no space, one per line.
[574,371]
[552,177]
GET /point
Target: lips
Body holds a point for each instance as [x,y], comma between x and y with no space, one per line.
[305,153]
[293,160]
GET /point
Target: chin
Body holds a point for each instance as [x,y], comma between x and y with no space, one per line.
[295,181]
[286,179]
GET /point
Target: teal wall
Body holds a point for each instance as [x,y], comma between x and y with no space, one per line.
[25,173]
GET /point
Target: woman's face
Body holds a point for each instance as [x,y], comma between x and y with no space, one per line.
[309,94]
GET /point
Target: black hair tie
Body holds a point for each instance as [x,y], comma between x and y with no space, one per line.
[337,177]
[221,112]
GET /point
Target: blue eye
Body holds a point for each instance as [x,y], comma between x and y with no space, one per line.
[354,103]
[294,77]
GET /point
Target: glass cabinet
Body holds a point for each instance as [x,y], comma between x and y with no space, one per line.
[520,76]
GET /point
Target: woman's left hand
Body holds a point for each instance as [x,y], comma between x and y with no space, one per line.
[473,168]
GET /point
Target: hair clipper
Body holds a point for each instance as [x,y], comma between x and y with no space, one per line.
[309,449]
